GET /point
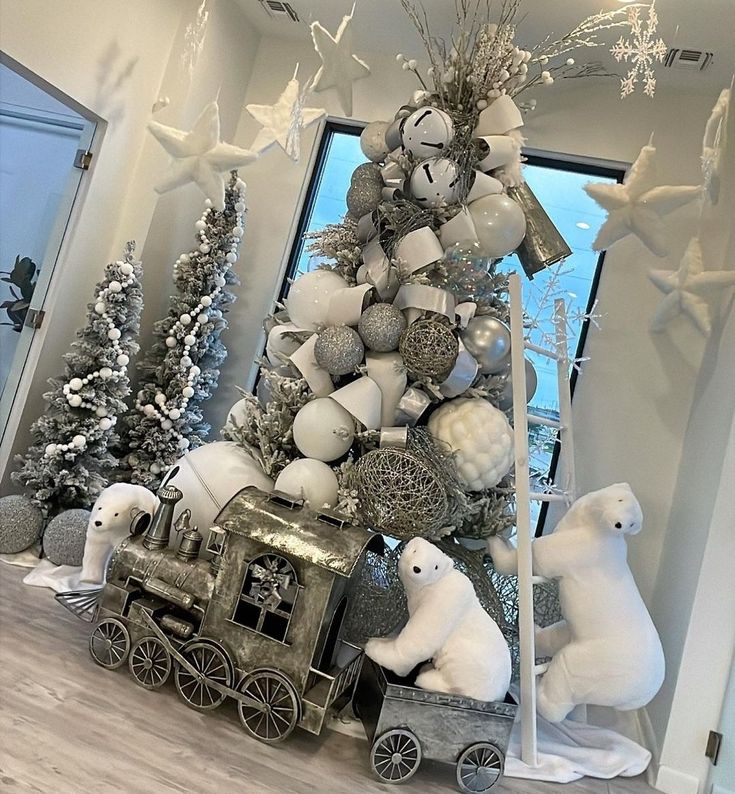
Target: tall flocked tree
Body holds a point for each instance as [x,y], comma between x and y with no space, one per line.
[181,369]
[70,461]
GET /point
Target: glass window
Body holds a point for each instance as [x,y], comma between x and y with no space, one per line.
[268,596]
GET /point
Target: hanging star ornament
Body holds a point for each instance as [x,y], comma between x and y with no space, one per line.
[282,123]
[340,67]
[199,156]
[637,206]
[689,289]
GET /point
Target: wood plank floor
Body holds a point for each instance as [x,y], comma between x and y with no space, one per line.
[68,726]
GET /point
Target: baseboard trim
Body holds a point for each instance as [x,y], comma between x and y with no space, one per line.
[670,781]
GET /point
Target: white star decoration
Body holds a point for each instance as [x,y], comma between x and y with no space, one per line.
[340,68]
[284,121]
[688,289]
[637,207]
[199,155]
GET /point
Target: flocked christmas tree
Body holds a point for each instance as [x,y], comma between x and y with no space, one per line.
[181,369]
[70,461]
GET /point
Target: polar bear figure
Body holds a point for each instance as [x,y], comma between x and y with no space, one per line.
[606,651]
[447,625]
[120,510]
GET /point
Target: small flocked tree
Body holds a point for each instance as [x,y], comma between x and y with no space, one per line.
[70,461]
[181,369]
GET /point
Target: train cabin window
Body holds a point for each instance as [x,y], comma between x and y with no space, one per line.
[269,592]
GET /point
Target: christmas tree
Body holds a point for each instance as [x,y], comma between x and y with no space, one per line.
[181,369]
[70,461]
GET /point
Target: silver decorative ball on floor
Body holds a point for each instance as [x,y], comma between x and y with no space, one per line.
[363,197]
[380,327]
[429,349]
[21,523]
[339,350]
[64,538]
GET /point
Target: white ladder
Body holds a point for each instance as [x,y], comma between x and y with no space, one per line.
[565,477]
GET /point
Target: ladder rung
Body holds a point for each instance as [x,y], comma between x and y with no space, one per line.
[539,580]
[548,497]
[542,351]
[540,669]
[534,419]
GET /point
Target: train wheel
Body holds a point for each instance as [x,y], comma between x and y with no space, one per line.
[280,706]
[149,663]
[395,756]
[109,643]
[479,768]
[210,664]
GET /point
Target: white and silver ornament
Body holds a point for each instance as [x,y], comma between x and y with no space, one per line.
[427,132]
[309,297]
[363,196]
[323,429]
[381,326]
[500,224]
[435,182]
[339,350]
[311,480]
[488,341]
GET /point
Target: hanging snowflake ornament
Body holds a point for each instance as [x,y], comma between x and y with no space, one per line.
[194,38]
[642,50]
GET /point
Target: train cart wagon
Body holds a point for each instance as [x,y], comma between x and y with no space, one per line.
[405,724]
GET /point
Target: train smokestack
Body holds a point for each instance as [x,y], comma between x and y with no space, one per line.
[159,532]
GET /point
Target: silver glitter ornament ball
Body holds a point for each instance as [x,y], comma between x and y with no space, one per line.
[21,523]
[369,172]
[363,197]
[380,327]
[64,538]
[339,350]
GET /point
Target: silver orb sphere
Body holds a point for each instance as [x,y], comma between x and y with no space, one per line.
[488,340]
[363,197]
[367,171]
[505,403]
[339,350]
[381,326]
[372,141]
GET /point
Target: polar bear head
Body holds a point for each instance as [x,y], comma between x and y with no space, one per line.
[422,563]
[616,509]
[123,507]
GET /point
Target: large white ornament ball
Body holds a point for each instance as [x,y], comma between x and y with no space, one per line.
[311,480]
[210,476]
[21,523]
[115,286]
[100,307]
[480,437]
[75,401]
[500,224]
[488,340]
[372,141]
[105,373]
[79,441]
[105,423]
[427,132]
[126,269]
[323,429]
[50,449]
[309,296]
[122,360]
[435,182]
[76,384]
[113,334]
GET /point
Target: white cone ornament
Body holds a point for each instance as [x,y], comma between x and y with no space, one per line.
[435,182]
[309,296]
[480,437]
[210,476]
[372,141]
[500,224]
[311,480]
[323,429]
[427,132]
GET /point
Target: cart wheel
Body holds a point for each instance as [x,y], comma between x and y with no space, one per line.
[479,768]
[280,710]
[395,756]
[211,664]
[109,643]
[149,663]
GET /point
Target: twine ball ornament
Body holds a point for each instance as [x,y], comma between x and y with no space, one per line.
[401,493]
[429,349]
[479,436]
[21,523]
[339,350]
[363,197]
[64,538]
[380,327]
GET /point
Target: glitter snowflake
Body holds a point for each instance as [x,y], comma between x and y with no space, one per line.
[194,38]
[642,50]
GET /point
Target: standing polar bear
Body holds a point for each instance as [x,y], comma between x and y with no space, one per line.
[606,652]
[447,625]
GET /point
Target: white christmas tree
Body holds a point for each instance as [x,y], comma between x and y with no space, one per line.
[70,461]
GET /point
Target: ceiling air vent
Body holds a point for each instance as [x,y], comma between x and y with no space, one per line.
[279,9]
[693,60]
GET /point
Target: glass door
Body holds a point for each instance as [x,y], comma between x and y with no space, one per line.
[40,138]
[722,775]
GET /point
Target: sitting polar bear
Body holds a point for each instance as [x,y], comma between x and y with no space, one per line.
[120,510]
[607,651]
[446,624]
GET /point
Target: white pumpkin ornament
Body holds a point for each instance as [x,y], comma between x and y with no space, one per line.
[311,480]
[427,132]
[480,437]
[309,296]
[435,182]
[323,429]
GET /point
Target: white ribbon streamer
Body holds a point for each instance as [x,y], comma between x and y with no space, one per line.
[410,407]
[500,117]
[418,249]
[460,229]
[424,298]
[347,304]
[317,378]
[501,150]
[379,272]
[462,375]
[484,185]
[465,311]
[363,399]
[389,372]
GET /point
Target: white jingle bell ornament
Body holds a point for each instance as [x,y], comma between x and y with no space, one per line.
[479,436]
[323,429]
[311,480]
[427,132]
[309,296]
[435,182]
